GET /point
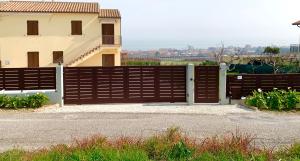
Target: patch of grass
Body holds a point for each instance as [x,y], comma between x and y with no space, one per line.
[169,146]
[13,155]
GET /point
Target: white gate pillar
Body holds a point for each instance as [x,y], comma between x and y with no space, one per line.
[190,84]
[60,85]
[222,84]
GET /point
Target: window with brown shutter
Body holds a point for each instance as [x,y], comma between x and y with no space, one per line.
[33,59]
[76,27]
[58,56]
[32,28]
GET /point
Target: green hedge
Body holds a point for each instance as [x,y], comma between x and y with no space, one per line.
[32,101]
[262,69]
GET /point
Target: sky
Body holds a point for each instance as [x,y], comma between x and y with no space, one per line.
[150,24]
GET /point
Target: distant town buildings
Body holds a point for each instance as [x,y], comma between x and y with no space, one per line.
[191,51]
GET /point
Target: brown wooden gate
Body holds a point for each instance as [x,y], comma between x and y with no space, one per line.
[92,85]
[207,84]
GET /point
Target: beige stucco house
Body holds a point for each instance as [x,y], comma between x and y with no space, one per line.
[42,34]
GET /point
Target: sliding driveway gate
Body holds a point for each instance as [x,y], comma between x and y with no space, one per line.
[207,84]
[92,85]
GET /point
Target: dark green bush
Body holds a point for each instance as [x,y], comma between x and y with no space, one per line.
[32,101]
[274,100]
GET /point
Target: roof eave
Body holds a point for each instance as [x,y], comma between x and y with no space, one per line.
[46,12]
[296,23]
[111,17]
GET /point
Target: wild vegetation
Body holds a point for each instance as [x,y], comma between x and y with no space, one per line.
[274,100]
[170,146]
[15,102]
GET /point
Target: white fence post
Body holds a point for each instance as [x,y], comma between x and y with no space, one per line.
[190,83]
[222,84]
[60,85]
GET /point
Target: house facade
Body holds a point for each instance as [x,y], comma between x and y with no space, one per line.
[43,34]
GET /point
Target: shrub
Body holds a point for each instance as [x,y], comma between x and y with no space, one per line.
[291,99]
[257,99]
[180,151]
[274,100]
[33,101]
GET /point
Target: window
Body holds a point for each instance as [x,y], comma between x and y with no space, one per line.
[58,57]
[76,27]
[32,28]
[33,59]
[108,32]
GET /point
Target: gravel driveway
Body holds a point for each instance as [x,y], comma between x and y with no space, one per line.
[53,126]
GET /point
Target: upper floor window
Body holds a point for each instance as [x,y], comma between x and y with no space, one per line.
[32,28]
[76,27]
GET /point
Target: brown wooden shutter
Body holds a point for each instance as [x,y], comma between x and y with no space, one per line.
[108,60]
[108,32]
[76,27]
[32,28]
[58,57]
[33,59]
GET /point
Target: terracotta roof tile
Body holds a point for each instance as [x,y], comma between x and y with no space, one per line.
[53,7]
[109,13]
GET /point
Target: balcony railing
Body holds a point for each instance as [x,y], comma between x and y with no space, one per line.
[295,48]
[111,40]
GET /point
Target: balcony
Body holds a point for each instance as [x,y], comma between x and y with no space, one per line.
[295,48]
[111,40]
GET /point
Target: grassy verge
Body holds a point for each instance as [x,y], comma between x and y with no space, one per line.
[170,146]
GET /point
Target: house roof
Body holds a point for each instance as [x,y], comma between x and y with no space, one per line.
[52,7]
[109,13]
[296,23]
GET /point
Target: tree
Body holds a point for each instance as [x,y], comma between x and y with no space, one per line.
[273,60]
[272,50]
[219,53]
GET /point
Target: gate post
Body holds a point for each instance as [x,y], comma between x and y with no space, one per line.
[60,85]
[222,84]
[190,80]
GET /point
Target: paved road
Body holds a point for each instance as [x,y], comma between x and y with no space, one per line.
[35,130]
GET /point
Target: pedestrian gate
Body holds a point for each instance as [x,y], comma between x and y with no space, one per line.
[207,84]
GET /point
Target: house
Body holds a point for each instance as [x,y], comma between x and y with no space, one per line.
[42,34]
